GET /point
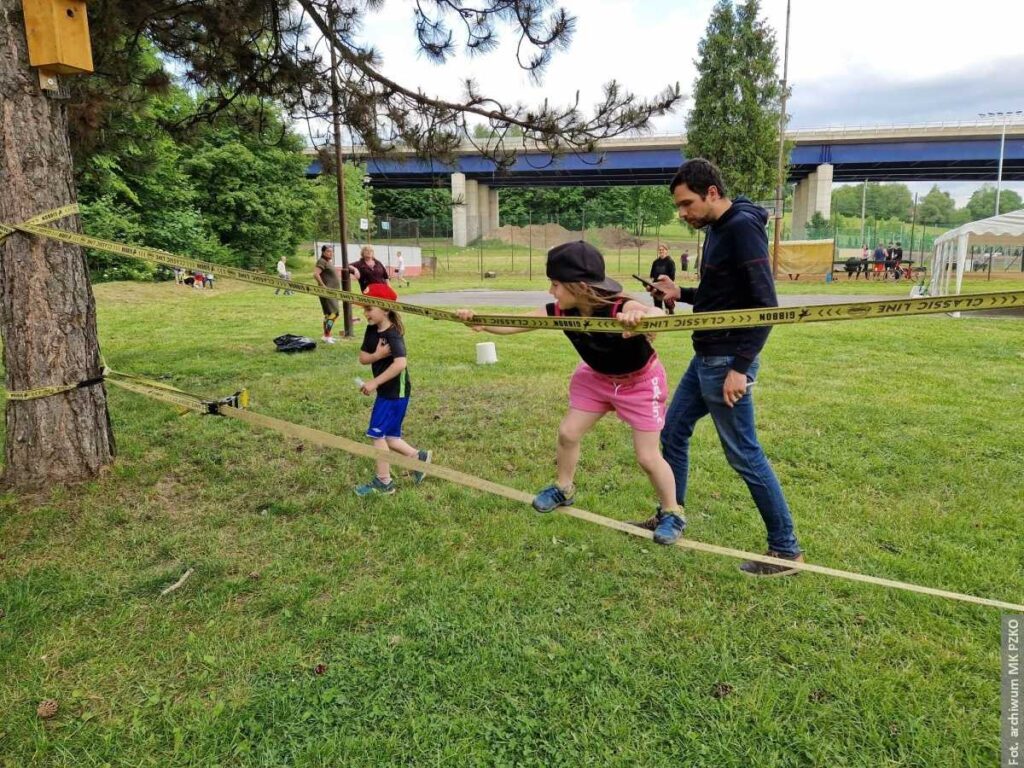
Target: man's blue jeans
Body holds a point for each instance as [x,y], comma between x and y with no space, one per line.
[699,394]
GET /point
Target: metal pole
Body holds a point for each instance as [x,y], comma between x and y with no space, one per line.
[913,226]
[863,208]
[545,230]
[782,152]
[530,257]
[623,227]
[999,176]
[346,281]
[638,241]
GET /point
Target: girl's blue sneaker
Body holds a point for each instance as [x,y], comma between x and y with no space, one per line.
[552,497]
[669,529]
[376,486]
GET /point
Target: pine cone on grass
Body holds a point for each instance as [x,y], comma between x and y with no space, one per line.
[47,709]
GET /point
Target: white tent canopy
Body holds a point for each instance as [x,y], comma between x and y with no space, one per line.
[952,247]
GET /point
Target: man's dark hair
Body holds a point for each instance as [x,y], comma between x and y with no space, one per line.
[699,175]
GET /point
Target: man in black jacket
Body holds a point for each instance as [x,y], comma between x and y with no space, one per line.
[663,265]
[735,273]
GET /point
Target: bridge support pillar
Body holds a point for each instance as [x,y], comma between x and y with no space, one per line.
[465,210]
[812,195]
[459,229]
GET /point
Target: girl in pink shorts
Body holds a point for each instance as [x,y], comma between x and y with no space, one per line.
[617,373]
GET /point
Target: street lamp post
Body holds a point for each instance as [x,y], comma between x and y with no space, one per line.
[367,181]
[1002,146]
[781,180]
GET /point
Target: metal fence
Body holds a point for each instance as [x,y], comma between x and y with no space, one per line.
[517,246]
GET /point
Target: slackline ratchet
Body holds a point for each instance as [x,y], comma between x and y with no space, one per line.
[234,407]
[741,318]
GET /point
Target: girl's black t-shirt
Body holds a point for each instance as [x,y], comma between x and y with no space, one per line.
[607,353]
[398,387]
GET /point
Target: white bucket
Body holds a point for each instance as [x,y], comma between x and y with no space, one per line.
[486,353]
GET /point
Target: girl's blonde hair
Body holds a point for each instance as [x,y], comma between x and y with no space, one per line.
[588,298]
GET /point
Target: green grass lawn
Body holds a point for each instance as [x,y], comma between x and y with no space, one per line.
[441,626]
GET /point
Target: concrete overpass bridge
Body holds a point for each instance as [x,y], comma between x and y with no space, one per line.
[819,157]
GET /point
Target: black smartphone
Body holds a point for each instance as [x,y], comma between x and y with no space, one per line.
[648,283]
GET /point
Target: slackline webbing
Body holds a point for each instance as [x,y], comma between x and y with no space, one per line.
[177,397]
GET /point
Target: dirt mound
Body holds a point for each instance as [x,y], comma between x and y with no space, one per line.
[550,235]
[540,235]
[616,237]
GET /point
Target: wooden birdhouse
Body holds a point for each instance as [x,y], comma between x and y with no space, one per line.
[58,37]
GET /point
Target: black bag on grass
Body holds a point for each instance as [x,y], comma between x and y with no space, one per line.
[292,343]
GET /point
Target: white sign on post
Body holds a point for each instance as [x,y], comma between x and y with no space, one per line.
[364,223]
[385,225]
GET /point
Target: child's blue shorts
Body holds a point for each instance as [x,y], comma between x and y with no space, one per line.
[387,417]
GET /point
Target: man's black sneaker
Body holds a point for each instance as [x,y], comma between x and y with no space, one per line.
[755,568]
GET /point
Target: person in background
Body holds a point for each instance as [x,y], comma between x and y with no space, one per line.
[663,265]
[284,274]
[400,270]
[879,260]
[326,276]
[368,270]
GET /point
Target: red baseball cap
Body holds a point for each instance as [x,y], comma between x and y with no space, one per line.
[381,291]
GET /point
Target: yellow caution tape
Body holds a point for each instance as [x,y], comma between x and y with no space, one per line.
[35,394]
[740,318]
[42,218]
[57,213]
[329,440]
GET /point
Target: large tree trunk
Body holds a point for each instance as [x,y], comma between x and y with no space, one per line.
[47,309]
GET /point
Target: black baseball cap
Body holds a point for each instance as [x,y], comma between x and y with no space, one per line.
[579,262]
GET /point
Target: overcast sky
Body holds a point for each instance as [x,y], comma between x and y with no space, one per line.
[867,62]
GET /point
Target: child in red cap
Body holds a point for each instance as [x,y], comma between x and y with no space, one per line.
[384,351]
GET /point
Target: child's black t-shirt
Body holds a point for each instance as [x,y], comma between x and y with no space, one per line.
[399,386]
[607,353]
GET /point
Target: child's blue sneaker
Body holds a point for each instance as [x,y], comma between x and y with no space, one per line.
[417,475]
[552,497]
[670,528]
[376,486]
